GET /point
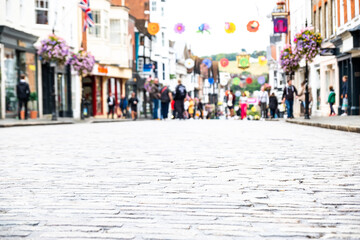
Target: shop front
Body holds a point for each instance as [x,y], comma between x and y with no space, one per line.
[17,57]
[104,81]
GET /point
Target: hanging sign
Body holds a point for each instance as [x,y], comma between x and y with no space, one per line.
[243,61]
[280,25]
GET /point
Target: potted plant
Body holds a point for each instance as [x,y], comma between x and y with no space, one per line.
[33,112]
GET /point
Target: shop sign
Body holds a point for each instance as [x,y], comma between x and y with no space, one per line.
[148,67]
[102,70]
[280,25]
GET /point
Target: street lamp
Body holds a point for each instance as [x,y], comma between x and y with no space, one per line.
[306,115]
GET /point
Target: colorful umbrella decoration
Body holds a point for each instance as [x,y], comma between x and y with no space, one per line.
[236,81]
[204,28]
[189,63]
[249,80]
[153,28]
[230,27]
[253,26]
[207,62]
[211,81]
[179,28]
[224,62]
[262,61]
[261,80]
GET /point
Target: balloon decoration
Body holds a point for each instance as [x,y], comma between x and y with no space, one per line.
[230,27]
[236,81]
[207,62]
[211,81]
[249,80]
[224,62]
[204,28]
[247,93]
[153,28]
[262,61]
[261,80]
[224,81]
[238,93]
[189,63]
[179,28]
[253,26]
[253,109]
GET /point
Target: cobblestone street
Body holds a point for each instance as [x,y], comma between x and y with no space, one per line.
[179,180]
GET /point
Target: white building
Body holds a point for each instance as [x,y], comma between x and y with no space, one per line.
[23,23]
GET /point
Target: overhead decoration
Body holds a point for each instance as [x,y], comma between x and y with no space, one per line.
[253,109]
[253,26]
[179,28]
[308,44]
[224,62]
[53,49]
[280,25]
[243,61]
[88,17]
[230,27]
[207,62]
[189,63]
[82,62]
[211,80]
[289,61]
[261,80]
[238,93]
[249,80]
[262,61]
[204,28]
[224,81]
[236,81]
[153,28]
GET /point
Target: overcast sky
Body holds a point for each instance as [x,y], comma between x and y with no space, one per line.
[192,13]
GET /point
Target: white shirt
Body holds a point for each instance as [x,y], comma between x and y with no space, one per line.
[243,100]
[264,97]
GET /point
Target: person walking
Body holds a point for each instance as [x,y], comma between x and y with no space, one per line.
[264,102]
[123,106]
[302,95]
[165,98]
[155,96]
[230,101]
[111,105]
[200,107]
[331,101]
[133,102]
[191,108]
[23,94]
[180,94]
[243,105]
[344,95]
[288,98]
[273,105]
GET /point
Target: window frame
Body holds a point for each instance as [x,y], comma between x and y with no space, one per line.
[97,25]
[45,8]
[116,31]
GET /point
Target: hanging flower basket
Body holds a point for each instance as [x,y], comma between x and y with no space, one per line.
[53,50]
[308,44]
[289,59]
[82,62]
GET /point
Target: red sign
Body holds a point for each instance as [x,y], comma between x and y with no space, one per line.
[103,70]
[280,25]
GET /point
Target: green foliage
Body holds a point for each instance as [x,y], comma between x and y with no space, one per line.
[33,96]
[172,76]
[254,86]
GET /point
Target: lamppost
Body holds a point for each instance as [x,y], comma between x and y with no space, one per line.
[306,115]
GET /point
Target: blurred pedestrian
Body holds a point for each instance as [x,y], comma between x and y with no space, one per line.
[344,95]
[173,108]
[133,102]
[180,94]
[186,108]
[302,95]
[155,96]
[264,102]
[331,101]
[123,106]
[230,101]
[243,105]
[273,105]
[288,98]
[111,105]
[23,94]
[165,98]
[191,108]
[200,107]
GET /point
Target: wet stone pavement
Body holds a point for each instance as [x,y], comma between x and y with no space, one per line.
[179,180]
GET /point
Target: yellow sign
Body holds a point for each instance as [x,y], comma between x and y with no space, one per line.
[243,61]
[32,67]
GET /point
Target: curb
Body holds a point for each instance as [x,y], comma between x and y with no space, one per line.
[6,125]
[328,126]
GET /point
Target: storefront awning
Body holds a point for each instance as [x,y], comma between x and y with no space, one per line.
[16,39]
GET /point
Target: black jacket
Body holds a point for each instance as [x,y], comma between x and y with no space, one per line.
[273,102]
[288,93]
[180,92]
[23,91]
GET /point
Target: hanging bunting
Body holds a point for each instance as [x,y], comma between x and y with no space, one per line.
[261,80]
[179,28]
[253,26]
[236,81]
[207,62]
[224,62]
[249,80]
[262,61]
[189,63]
[230,27]
[153,28]
[211,81]
[204,28]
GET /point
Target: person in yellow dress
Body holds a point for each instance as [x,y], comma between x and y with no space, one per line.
[191,108]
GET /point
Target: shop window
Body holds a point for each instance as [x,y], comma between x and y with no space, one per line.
[106,25]
[8,9]
[124,31]
[62,90]
[11,81]
[115,31]
[96,29]
[153,6]
[98,97]
[42,12]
